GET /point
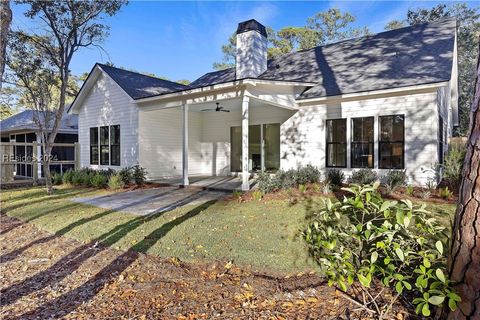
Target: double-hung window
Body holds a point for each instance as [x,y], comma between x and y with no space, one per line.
[337,143]
[362,142]
[105,145]
[392,142]
[94,145]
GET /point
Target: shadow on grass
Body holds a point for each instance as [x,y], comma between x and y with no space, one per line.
[73,260]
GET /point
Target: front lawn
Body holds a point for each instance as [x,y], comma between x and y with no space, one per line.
[263,234]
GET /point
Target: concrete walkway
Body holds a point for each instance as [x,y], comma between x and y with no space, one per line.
[149,201]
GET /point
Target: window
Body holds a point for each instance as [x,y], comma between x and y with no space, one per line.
[115,145]
[104,146]
[362,142]
[440,140]
[391,142]
[337,143]
[93,145]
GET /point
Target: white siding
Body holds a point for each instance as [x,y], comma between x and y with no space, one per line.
[107,104]
[303,135]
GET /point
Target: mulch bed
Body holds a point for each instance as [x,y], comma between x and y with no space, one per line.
[44,276]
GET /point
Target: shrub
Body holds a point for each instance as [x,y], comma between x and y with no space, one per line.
[115,182]
[307,174]
[394,179]
[409,190]
[453,164]
[57,178]
[364,176]
[99,180]
[365,237]
[68,177]
[445,193]
[257,195]
[139,175]
[335,177]
[126,174]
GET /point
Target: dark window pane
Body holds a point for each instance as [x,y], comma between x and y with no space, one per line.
[391,145]
[31,137]
[391,155]
[104,135]
[104,155]
[93,136]
[336,155]
[362,142]
[94,155]
[337,130]
[115,154]
[362,155]
[20,138]
[29,170]
[115,134]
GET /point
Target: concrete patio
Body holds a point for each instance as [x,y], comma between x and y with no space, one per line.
[150,201]
[217,183]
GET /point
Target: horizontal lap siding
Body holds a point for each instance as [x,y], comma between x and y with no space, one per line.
[107,104]
[303,135]
[161,142]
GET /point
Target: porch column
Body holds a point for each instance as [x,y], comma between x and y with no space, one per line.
[39,153]
[245,174]
[185,144]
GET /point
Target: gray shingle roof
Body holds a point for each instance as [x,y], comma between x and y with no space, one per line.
[403,57]
[25,121]
[215,77]
[138,86]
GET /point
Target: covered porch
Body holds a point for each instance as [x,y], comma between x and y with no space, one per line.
[219,142]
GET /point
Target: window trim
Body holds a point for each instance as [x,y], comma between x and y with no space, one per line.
[362,142]
[97,145]
[390,142]
[115,145]
[336,143]
[108,146]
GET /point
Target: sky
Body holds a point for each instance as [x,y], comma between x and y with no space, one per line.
[181,40]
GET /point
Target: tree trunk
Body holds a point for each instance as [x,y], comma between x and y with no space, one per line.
[6,19]
[464,261]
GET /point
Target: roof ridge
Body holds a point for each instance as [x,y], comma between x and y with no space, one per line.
[138,73]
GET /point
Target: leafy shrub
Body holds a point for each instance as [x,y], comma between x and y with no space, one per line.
[302,188]
[365,237]
[307,174]
[364,176]
[115,182]
[57,178]
[68,177]
[126,174]
[139,175]
[409,190]
[266,183]
[394,179]
[445,193]
[453,164]
[107,173]
[99,180]
[335,177]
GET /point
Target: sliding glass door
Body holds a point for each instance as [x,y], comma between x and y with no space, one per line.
[263,148]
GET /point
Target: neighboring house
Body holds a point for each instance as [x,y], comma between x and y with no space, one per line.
[384,101]
[22,127]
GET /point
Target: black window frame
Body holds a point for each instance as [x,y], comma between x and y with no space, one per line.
[390,142]
[115,145]
[104,161]
[95,145]
[327,144]
[441,142]
[352,143]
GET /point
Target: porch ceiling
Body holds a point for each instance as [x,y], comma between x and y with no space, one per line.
[230,104]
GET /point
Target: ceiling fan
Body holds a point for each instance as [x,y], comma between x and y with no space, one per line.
[219,108]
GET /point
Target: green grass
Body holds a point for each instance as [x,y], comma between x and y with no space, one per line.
[261,234]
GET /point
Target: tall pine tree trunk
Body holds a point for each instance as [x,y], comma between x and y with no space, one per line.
[464,262]
[5,21]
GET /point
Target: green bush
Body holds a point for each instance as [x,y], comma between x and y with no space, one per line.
[99,180]
[453,164]
[335,177]
[67,177]
[394,179]
[365,237]
[115,182]
[57,178]
[409,190]
[126,174]
[445,193]
[307,174]
[292,178]
[364,176]
[139,175]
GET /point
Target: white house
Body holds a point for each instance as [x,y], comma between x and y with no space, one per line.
[383,101]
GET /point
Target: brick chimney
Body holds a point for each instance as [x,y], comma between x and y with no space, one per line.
[251,55]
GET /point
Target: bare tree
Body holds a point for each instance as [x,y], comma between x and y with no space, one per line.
[66,27]
[5,21]
[464,262]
